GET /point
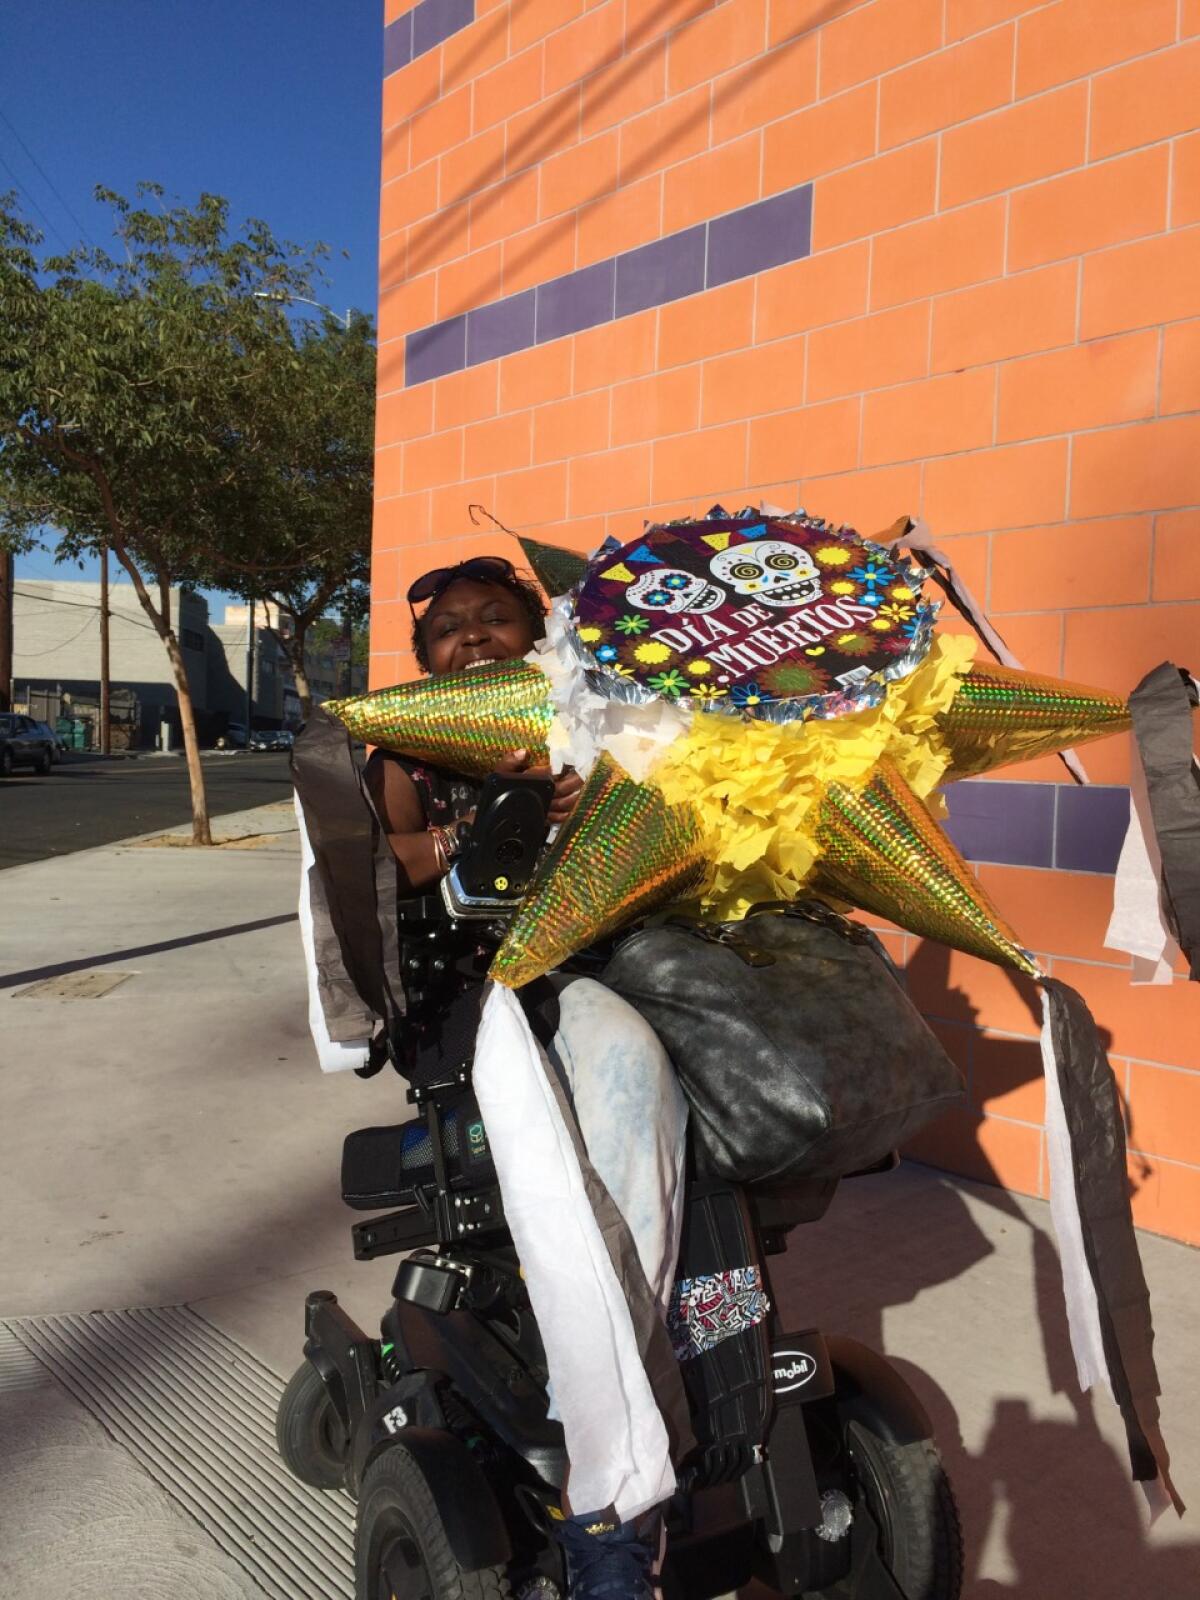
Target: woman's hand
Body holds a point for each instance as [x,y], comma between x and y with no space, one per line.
[568,785]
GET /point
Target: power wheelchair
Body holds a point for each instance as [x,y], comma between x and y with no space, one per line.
[814,1470]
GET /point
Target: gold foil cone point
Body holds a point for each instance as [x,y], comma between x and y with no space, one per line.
[1002,714]
[465,721]
[623,853]
[881,850]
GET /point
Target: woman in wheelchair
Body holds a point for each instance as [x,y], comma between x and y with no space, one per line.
[616,1077]
[597,1292]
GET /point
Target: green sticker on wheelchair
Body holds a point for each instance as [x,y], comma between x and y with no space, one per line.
[477,1145]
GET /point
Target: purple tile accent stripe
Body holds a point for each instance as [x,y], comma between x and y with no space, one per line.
[1011,823]
[666,270]
[1063,825]
[397,44]
[500,328]
[433,352]
[760,236]
[576,301]
[420,29]
[735,245]
[1091,826]
[435,20]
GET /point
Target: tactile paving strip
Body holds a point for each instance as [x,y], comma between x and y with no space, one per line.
[198,1413]
[20,1369]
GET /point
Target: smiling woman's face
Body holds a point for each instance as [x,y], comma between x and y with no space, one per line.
[474,622]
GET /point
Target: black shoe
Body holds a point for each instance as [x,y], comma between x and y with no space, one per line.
[608,1560]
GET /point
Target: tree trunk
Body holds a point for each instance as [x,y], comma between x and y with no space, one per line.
[6,629]
[303,692]
[201,832]
[161,618]
[292,645]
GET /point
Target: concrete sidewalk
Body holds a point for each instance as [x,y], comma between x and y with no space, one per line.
[171,1143]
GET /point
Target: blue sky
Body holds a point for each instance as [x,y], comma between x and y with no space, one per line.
[272,103]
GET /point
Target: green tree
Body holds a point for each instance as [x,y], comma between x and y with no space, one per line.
[310,514]
[141,394]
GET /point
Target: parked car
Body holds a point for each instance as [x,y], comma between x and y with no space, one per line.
[58,743]
[24,743]
[271,739]
[235,737]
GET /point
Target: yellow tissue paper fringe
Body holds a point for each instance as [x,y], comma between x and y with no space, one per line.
[755,786]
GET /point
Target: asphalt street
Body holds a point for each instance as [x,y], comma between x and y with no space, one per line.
[85,803]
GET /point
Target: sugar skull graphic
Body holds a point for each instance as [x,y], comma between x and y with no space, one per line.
[769,570]
[671,589]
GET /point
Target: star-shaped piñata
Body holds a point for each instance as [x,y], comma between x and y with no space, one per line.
[759,706]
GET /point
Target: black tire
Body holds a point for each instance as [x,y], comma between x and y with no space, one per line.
[6,763]
[309,1432]
[400,1547]
[909,1496]
[43,764]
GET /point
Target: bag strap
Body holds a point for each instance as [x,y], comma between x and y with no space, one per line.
[824,916]
[809,910]
[343,833]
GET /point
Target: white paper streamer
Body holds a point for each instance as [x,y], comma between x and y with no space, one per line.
[586,722]
[332,1056]
[615,1437]
[1083,1310]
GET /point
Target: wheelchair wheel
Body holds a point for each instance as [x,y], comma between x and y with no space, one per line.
[401,1551]
[309,1432]
[908,1495]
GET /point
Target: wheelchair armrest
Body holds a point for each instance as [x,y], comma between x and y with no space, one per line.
[492,874]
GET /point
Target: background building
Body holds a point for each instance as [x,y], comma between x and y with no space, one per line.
[328,662]
[56,664]
[275,701]
[937,257]
[56,657]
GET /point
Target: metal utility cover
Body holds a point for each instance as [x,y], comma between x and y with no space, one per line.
[197,1412]
[74,986]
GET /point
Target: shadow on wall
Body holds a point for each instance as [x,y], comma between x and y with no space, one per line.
[1049,1494]
[425,240]
[998,1067]
[1052,1492]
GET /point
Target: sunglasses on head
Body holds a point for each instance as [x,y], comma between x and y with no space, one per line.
[487,569]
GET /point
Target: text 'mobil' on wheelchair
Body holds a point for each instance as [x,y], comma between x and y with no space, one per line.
[814,1470]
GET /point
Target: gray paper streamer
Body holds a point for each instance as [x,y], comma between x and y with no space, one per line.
[1162,725]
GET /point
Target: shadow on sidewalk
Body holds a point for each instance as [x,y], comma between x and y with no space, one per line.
[59,969]
[1050,1492]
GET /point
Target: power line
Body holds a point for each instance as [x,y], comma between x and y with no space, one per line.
[34,203]
[46,178]
[53,600]
[36,655]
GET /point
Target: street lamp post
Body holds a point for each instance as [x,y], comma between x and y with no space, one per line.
[291,299]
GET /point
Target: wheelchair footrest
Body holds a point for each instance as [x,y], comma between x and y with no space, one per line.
[448,1218]
[398,1230]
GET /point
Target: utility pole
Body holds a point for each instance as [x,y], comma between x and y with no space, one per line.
[105,714]
[6,629]
[249,674]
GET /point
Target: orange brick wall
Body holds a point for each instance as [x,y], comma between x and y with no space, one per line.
[998,328]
